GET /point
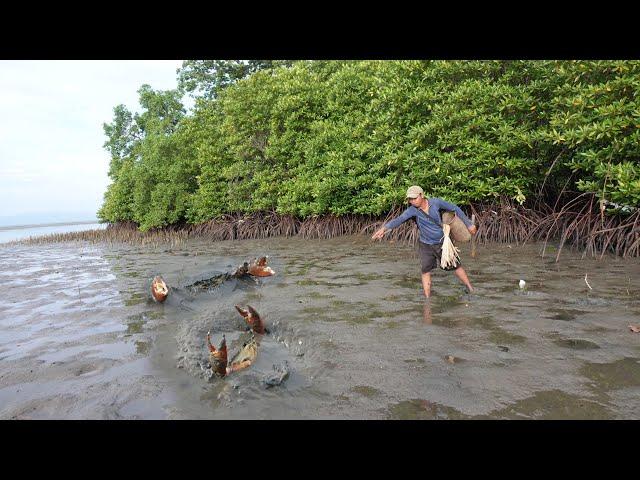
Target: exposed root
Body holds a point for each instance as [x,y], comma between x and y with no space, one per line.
[578,223]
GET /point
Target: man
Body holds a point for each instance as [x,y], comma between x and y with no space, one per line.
[426,213]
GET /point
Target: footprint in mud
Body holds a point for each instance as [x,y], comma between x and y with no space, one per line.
[576,344]
[564,314]
[420,409]
[589,301]
[366,391]
[85,369]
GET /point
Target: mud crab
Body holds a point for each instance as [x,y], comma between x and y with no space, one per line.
[241,360]
[159,289]
[256,268]
[245,357]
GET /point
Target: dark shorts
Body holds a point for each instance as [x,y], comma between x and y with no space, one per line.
[430,257]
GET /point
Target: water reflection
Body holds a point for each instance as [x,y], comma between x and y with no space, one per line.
[426,313]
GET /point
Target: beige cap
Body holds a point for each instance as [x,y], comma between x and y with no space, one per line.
[413,191]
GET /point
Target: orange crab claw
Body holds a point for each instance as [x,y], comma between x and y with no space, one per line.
[253,311]
[259,268]
[212,349]
[218,357]
[159,289]
[261,271]
[242,311]
[252,318]
[245,356]
[235,367]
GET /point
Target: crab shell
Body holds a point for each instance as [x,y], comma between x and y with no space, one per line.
[245,357]
[159,289]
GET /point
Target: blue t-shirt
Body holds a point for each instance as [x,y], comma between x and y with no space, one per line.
[430,228]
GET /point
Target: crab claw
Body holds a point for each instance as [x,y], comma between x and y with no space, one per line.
[235,367]
[212,349]
[259,268]
[242,311]
[159,289]
[252,318]
[253,312]
[218,357]
[245,356]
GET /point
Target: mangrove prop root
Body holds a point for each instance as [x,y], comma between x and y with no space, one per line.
[576,223]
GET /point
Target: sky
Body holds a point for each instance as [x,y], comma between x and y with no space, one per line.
[52,160]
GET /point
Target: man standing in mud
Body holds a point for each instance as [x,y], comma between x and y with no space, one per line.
[426,213]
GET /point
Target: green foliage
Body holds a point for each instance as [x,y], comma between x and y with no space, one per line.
[208,77]
[152,168]
[338,137]
[595,115]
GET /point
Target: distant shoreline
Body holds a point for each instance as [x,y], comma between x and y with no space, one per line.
[35,225]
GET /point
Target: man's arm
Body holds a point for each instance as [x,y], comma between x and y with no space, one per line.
[391,224]
[453,207]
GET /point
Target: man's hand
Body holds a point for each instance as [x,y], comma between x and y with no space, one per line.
[379,233]
[473,229]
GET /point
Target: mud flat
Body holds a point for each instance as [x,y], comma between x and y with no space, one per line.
[81,338]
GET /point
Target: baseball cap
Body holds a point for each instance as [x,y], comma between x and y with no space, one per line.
[413,191]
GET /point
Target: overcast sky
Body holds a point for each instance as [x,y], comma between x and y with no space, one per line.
[51,136]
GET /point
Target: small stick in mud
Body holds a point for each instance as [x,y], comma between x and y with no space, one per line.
[585,281]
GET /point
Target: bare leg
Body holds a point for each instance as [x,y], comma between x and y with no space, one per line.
[462,275]
[426,284]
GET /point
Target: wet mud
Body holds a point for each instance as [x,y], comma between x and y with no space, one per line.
[350,333]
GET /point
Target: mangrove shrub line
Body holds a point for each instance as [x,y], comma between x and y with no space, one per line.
[301,140]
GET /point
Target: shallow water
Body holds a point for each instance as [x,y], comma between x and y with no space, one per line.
[80,336]
[10,234]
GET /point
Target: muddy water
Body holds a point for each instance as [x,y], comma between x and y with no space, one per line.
[80,336]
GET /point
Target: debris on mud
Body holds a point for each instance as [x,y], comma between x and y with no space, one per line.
[279,375]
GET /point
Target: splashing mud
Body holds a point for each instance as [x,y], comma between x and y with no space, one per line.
[350,334]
